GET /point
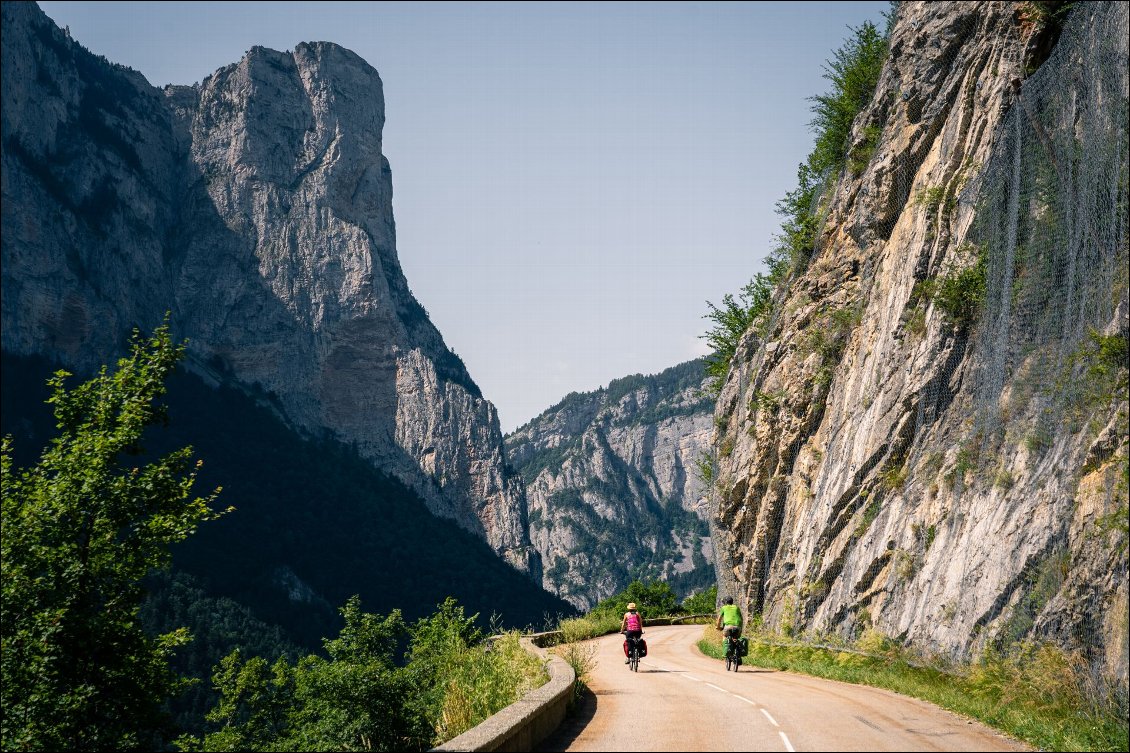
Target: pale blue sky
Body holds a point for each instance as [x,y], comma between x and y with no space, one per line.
[572,181]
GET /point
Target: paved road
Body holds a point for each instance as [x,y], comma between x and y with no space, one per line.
[683,700]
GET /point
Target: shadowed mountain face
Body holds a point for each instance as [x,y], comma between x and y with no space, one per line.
[613,485]
[256,207]
[314,522]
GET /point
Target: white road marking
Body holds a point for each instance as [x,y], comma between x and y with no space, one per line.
[709,685]
[692,677]
[770,718]
[751,703]
[788,746]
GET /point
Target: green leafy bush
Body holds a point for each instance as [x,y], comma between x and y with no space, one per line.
[364,695]
[82,528]
[854,71]
[731,320]
[652,598]
[703,602]
[961,293]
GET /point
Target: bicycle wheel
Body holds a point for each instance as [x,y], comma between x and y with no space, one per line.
[635,661]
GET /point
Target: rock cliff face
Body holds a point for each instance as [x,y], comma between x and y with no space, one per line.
[257,207]
[613,486]
[945,456]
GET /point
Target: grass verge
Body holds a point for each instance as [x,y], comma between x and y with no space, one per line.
[582,658]
[1035,694]
[486,679]
[591,625]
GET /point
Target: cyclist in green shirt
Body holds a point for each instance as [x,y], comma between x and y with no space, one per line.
[729,619]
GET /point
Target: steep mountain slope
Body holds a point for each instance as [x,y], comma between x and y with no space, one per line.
[256,206]
[945,454]
[613,488]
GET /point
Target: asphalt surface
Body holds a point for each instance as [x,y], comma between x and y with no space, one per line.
[683,700]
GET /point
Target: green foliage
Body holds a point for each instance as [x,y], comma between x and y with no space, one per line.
[592,625]
[1043,21]
[1043,681]
[357,699]
[1045,11]
[703,602]
[924,535]
[770,401]
[463,679]
[313,506]
[582,658]
[551,458]
[438,645]
[915,323]
[934,197]
[960,294]
[853,71]
[731,320]
[861,153]
[906,564]
[364,695]
[827,336]
[1118,520]
[797,239]
[1004,479]
[1043,579]
[894,476]
[311,509]
[1104,369]
[218,626]
[704,468]
[487,680]
[82,528]
[869,515]
[666,383]
[652,598]
[966,461]
[1108,355]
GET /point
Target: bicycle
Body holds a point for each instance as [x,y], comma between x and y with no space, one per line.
[633,653]
[732,647]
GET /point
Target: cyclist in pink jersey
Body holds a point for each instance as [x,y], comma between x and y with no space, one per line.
[632,624]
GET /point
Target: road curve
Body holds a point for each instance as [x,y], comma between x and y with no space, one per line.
[683,700]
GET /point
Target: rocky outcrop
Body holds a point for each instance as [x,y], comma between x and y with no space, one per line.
[944,454]
[613,485]
[255,206]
